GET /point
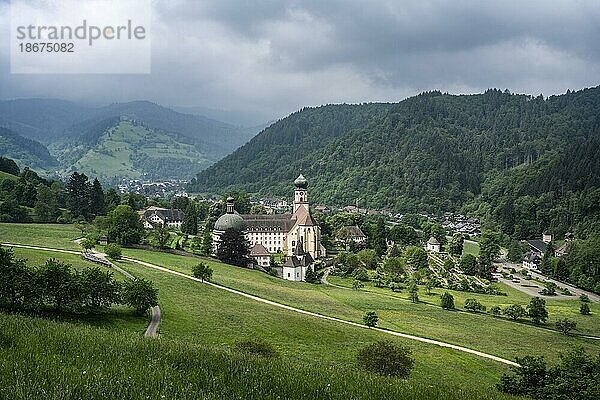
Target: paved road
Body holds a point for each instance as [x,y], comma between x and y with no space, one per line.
[152,330]
[298,310]
[534,291]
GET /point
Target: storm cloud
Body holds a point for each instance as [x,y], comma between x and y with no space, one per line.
[269,58]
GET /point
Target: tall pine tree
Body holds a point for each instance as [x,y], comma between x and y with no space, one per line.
[190,220]
[233,248]
[97,203]
[78,192]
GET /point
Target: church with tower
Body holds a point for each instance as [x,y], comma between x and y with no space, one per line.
[297,235]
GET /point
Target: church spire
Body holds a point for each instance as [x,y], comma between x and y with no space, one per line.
[300,193]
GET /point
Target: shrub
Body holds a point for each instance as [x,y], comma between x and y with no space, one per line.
[356,284]
[565,325]
[514,311]
[385,358]
[474,305]
[496,310]
[575,377]
[585,309]
[396,287]
[256,347]
[447,301]
[413,289]
[87,244]
[140,294]
[361,274]
[370,319]
[202,271]
[537,310]
[584,298]
[113,251]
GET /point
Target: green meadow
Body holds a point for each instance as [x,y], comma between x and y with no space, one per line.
[193,357]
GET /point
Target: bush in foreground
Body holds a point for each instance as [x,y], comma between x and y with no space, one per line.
[385,358]
[574,378]
[140,294]
[256,347]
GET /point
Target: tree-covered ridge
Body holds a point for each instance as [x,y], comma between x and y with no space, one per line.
[26,151]
[431,152]
[272,159]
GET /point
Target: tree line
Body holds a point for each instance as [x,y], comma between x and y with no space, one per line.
[57,286]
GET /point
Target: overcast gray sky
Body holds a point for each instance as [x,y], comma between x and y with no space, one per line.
[270,58]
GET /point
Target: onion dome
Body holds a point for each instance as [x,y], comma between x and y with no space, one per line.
[230,221]
[301,182]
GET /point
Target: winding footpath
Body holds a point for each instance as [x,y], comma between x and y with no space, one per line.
[285,307]
[100,258]
[300,311]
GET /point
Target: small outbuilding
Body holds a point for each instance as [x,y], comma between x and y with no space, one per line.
[434,245]
[260,255]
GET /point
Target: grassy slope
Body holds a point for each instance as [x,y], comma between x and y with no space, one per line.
[111,157]
[52,357]
[63,361]
[6,175]
[45,235]
[481,332]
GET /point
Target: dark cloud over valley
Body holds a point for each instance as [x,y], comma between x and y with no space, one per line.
[269,58]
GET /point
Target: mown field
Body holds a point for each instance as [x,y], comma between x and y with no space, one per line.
[199,327]
[58,236]
[207,321]
[483,332]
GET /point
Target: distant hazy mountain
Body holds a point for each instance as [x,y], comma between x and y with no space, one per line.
[71,130]
[43,120]
[26,152]
[233,117]
[125,148]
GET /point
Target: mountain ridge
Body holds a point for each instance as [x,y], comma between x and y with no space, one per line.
[432,152]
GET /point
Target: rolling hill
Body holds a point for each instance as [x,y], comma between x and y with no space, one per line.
[70,130]
[128,149]
[435,152]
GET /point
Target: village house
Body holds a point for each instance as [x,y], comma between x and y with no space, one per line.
[260,255]
[156,216]
[348,234]
[434,245]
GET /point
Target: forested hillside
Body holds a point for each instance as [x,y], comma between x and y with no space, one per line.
[24,150]
[497,154]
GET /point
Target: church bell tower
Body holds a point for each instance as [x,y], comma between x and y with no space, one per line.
[300,193]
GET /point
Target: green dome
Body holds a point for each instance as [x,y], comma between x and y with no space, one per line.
[301,182]
[230,221]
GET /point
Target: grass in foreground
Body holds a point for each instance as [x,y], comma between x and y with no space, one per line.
[194,314]
[42,359]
